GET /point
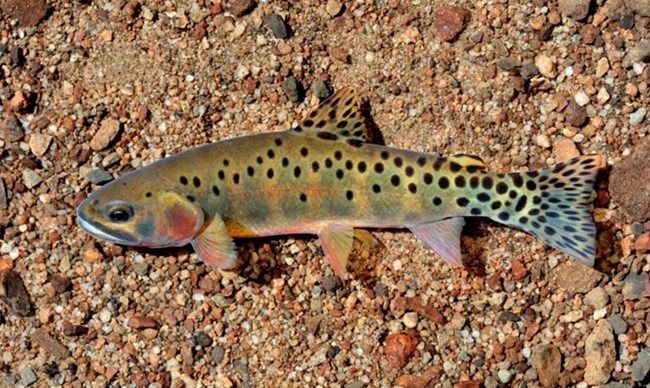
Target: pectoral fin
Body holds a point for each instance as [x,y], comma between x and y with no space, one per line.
[443,237]
[336,241]
[215,246]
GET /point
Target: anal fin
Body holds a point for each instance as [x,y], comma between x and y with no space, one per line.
[215,246]
[443,237]
[336,241]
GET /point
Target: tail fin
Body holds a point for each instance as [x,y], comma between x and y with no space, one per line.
[555,207]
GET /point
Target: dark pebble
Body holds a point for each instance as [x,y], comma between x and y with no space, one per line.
[320,89]
[291,88]
[16,55]
[509,316]
[507,64]
[217,354]
[74,330]
[529,71]
[380,290]
[333,351]
[203,339]
[575,114]
[14,293]
[60,283]
[99,176]
[3,196]
[277,25]
[332,283]
[627,21]
[11,130]
[240,7]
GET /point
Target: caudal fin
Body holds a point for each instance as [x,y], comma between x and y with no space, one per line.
[555,206]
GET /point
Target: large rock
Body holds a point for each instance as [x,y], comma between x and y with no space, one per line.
[28,13]
[642,7]
[628,184]
[600,354]
[575,9]
[547,361]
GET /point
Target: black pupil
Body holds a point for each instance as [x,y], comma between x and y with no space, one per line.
[119,215]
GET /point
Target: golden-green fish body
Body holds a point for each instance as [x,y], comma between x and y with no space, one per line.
[323,178]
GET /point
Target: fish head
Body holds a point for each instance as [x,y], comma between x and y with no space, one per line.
[129,215]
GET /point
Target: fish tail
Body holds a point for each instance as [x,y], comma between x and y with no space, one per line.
[553,205]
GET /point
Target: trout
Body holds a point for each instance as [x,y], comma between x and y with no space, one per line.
[324,177]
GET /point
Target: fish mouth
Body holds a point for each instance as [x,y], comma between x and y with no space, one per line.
[111,236]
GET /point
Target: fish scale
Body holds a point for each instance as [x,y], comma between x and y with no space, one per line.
[323,177]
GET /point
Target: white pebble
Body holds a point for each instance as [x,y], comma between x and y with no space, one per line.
[638,116]
[600,313]
[397,265]
[505,376]
[105,315]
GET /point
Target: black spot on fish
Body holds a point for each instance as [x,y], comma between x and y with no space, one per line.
[339,173]
[398,161]
[358,133]
[532,174]
[422,161]
[379,168]
[308,122]
[303,197]
[376,189]
[501,188]
[487,182]
[196,181]
[341,124]
[533,212]
[215,190]
[304,151]
[347,113]
[362,167]
[496,205]
[349,101]
[537,200]
[357,124]
[504,216]
[384,155]
[226,162]
[328,162]
[221,174]
[521,203]
[349,195]
[270,173]
[270,154]
[183,180]
[523,220]
[338,155]
[437,165]
[443,182]
[315,166]
[475,211]
[512,194]
[235,178]
[474,182]
[460,181]
[462,201]
[297,171]
[559,185]
[332,114]
[349,165]
[530,185]
[250,171]
[260,160]
[437,201]
[413,188]
[327,136]
[148,194]
[285,162]
[483,197]
[190,198]
[409,171]
[541,219]
[454,167]
[278,142]
[394,180]
[472,169]
[535,224]
[298,129]
[354,142]
[321,124]
[428,178]
[517,180]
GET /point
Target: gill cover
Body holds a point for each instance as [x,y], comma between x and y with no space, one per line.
[174,223]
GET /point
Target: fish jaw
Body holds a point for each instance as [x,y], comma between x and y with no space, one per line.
[102,233]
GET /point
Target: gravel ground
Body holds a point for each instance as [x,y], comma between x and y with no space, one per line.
[92,90]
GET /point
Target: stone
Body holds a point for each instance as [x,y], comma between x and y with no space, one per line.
[333,7]
[410,320]
[17,103]
[576,277]
[291,88]
[600,354]
[99,176]
[27,376]
[575,114]
[449,22]
[543,141]
[217,354]
[39,143]
[603,96]
[597,298]
[602,66]
[60,283]
[202,339]
[575,9]
[642,243]
[70,330]
[519,270]
[564,149]
[625,187]
[638,116]
[547,361]
[141,322]
[581,98]
[50,344]
[641,366]
[11,130]
[636,286]
[31,178]
[618,324]
[546,66]
[277,25]
[106,134]
[319,89]
[639,53]
[642,7]
[4,202]
[240,7]
[572,317]
[504,376]
[399,349]
[28,13]
[14,293]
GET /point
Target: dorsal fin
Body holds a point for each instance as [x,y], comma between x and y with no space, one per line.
[338,115]
[468,161]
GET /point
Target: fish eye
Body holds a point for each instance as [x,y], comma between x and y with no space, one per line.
[120,212]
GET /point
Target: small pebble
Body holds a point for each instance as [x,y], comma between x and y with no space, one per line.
[31,178]
[291,88]
[217,354]
[319,89]
[581,98]
[27,376]
[638,116]
[546,66]
[277,25]
[410,320]
[99,176]
[333,7]
[504,376]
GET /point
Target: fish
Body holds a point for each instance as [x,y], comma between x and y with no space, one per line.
[325,177]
